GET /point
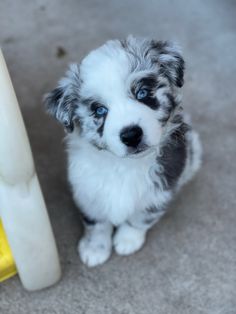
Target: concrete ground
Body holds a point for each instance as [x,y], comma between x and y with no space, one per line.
[189,262]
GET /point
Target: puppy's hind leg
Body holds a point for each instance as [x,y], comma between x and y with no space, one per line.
[131,235]
[96,244]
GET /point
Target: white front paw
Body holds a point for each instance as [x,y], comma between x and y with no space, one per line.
[94,253]
[128,240]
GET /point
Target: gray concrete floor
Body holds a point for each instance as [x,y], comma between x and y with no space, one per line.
[189,262]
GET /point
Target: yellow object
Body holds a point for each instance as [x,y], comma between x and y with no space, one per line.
[7,264]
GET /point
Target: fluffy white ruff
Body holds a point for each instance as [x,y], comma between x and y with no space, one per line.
[108,187]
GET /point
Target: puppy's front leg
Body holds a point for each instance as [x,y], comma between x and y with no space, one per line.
[131,235]
[96,244]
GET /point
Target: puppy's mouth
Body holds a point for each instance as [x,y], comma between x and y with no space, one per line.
[140,151]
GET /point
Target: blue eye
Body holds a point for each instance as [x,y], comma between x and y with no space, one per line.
[142,93]
[101,111]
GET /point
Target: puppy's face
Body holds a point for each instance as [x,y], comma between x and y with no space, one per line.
[121,95]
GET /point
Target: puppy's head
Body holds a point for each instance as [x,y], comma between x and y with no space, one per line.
[121,95]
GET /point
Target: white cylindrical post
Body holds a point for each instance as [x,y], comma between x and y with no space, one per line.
[22,207]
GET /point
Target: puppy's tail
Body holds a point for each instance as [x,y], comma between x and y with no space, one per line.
[194,157]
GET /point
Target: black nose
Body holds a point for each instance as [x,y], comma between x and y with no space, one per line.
[131,135]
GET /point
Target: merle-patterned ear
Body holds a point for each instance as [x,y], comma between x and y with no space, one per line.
[170,61]
[63,100]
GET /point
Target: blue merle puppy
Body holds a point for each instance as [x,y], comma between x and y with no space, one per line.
[130,148]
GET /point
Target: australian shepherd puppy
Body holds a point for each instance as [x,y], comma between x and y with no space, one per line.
[130,148]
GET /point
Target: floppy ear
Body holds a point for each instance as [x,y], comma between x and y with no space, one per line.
[170,60]
[63,100]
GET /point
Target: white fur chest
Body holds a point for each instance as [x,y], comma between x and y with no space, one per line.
[108,187]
